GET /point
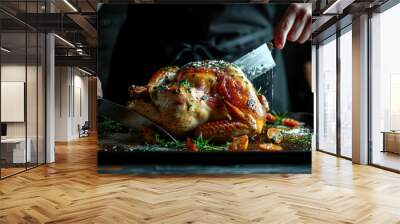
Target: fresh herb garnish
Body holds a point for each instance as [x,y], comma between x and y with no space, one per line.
[204,145]
[185,83]
[168,144]
[279,117]
[161,87]
[303,140]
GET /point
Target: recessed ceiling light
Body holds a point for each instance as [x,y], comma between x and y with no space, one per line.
[5,50]
[65,41]
[70,5]
[84,71]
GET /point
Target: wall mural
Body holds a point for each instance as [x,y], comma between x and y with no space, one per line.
[204,88]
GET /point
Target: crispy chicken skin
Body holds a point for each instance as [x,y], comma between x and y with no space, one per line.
[212,98]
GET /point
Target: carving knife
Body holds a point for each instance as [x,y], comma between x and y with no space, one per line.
[129,118]
[257,61]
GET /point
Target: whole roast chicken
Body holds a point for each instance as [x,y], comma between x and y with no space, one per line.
[212,98]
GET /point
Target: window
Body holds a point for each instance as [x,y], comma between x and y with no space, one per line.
[385,89]
[15,146]
[327,96]
[22,76]
[346,93]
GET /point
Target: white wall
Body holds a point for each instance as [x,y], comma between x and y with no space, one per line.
[71,102]
[80,110]
[16,72]
[33,127]
[13,73]
[61,103]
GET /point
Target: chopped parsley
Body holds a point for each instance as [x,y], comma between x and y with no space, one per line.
[160,87]
[185,83]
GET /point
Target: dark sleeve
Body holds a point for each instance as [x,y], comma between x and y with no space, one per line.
[139,51]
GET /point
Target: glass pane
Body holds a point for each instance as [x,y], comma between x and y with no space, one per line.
[346,94]
[32,98]
[32,88]
[13,86]
[41,98]
[385,84]
[327,97]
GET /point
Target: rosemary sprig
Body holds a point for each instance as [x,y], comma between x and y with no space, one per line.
[301,140]
[204,145]
[168,144]
[279,117]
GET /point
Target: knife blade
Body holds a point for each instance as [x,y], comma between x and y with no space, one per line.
[128,117]
[257,61]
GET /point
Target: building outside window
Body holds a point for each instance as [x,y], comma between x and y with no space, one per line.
[326,136]
[346,93]
[385,89]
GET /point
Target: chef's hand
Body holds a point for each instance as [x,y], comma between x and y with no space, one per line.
[295,26]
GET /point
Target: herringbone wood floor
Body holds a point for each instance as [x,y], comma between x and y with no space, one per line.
[70,191]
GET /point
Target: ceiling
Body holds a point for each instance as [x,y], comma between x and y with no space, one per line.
[75,24]
[330,16]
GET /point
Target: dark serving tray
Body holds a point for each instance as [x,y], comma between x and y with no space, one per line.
[106,158]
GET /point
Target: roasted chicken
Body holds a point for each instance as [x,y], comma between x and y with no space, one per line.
[211,98]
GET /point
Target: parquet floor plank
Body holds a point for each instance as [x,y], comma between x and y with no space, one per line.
[71,191]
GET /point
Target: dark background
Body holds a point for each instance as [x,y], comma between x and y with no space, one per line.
[136,40]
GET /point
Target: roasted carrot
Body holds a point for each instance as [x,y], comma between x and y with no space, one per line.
[290,122]
[240,143]
[191,146]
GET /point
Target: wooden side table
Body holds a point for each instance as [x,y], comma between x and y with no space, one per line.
[391,141]
[15,150]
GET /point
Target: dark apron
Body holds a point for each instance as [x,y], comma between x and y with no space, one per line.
[226,32]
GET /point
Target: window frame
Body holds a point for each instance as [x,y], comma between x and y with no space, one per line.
[381,9]
[333,37]
[27,29]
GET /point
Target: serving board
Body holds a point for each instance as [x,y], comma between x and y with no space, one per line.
[208,158]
